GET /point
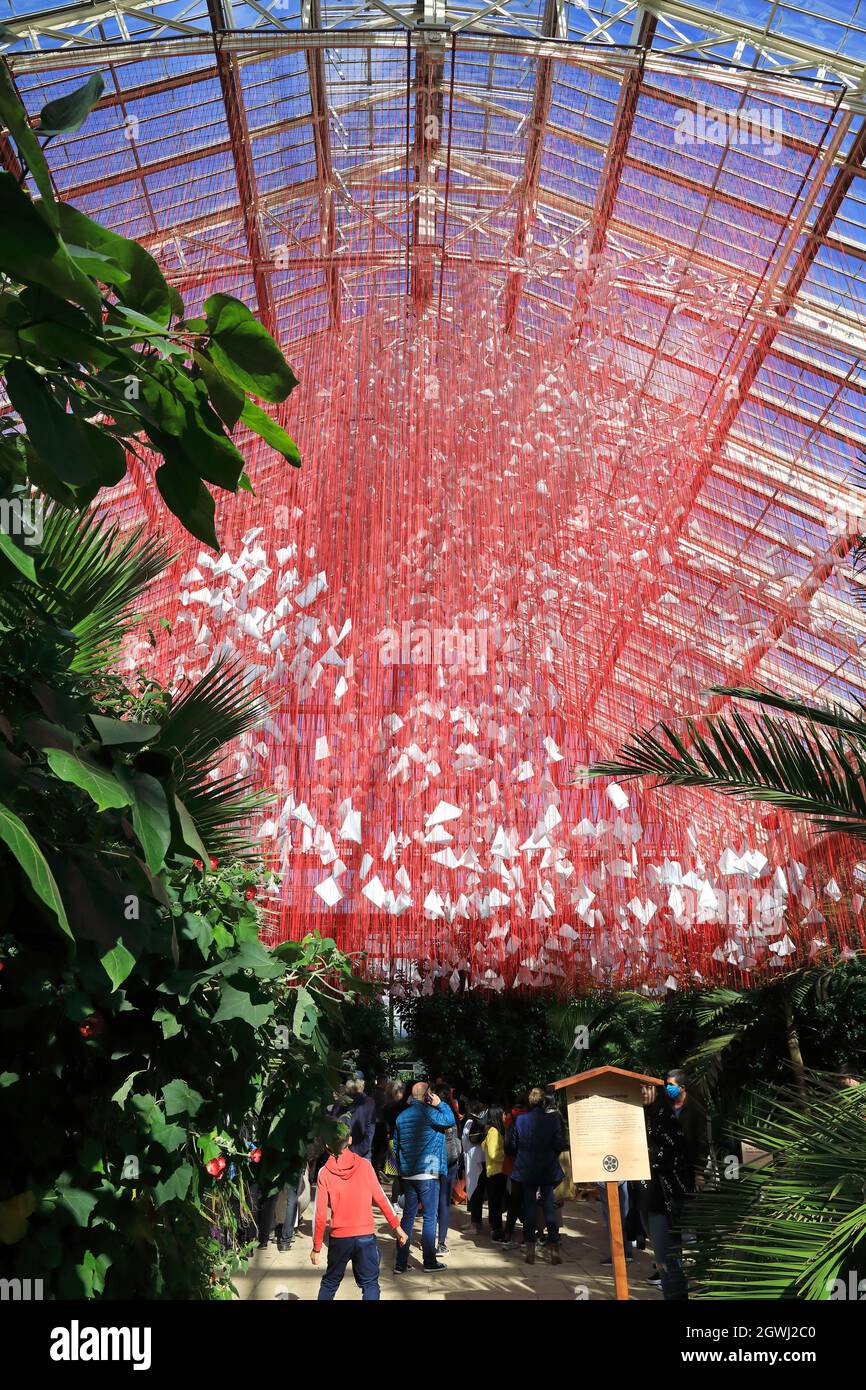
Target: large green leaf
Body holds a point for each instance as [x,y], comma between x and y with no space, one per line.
[17,837]
[77,453]
[14,117]
[22,559]
[117,963]
[245,351]
[227,398]
[150,819]
[146,289]
[235,1003]
[189,833]
[306,1015]
[267,429]
[115,733]
[181,1099]
[78,1203]
[174,1187]
[65,115]
[32,253]
[180,407]
[187,497]
[100,783]
[120,1095]
[49,327]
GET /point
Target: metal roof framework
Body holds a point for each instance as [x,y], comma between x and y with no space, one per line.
[235,138]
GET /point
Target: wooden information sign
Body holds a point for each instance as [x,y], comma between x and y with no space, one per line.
[607,1138]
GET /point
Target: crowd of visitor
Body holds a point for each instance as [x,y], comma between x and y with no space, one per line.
[434,1147]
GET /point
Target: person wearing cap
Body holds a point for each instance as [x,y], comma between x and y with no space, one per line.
[348,1188]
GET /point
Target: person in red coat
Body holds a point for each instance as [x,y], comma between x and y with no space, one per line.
[348,1188]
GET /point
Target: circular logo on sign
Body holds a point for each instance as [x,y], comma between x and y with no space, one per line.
[610,1163]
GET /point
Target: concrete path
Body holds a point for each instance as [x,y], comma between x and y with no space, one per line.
[477,1268]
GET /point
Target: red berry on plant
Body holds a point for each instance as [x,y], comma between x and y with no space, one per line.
[221,1162]
[92,1026]
[213,1167]
[214,862]
[197,864]
[249,894]
[256,1156]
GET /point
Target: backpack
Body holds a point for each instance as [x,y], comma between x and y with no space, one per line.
[452,1145]
[477,1130]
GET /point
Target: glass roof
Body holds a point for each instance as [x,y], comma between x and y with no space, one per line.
[342,164]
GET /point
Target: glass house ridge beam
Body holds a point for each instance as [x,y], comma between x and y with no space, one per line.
[640,596]
[312,19]
[553,26]
[230,83]
[430,51]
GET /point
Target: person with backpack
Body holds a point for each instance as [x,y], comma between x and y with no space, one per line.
[447,1180]
[474,1134]
[419,1142]
[536,1140]
[348,1188]
[514,1204]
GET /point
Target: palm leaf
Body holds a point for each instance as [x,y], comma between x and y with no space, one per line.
[789,1227]
[92,576]
[202,722]
[833,716]
[206,717]
[795,765]
[223,811]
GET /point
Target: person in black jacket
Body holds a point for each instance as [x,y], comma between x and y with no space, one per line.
[678,1143]
[363,1112]
[535,1141]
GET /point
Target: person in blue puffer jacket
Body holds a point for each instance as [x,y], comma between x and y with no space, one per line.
[536,1139]
[419,1147]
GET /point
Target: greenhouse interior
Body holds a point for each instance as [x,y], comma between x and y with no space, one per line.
[432,598]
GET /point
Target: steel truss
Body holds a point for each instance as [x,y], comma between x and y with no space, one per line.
[635,47]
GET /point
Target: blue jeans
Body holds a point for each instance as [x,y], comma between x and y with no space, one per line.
[545,1189]
[419,1191]
[446,1191]
[364,1254]
[668,1255]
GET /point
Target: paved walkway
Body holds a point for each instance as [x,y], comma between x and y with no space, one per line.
[477,1268]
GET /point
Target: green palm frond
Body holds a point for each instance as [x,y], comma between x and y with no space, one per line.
[204,719]
[92,575]
[207,716]
[791,764]
[222,811]
[794,1219]
[716,1005]
[833,716]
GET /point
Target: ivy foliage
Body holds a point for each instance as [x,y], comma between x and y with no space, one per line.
[100,361]
[157,1058]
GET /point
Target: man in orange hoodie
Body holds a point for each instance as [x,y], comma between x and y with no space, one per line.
[348,1186]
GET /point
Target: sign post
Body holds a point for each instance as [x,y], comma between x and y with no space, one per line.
[607,1135]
